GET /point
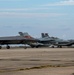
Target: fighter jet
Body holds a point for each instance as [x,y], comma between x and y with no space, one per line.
[47,41]
[54,41]
[21,39]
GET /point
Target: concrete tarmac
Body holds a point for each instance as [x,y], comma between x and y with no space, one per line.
[37,61]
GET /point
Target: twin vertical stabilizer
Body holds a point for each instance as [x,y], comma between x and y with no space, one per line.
[44,35]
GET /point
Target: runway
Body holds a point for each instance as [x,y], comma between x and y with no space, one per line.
[37,61]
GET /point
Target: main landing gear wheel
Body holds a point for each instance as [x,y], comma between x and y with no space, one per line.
[37,46]
[8,47]
[52,46]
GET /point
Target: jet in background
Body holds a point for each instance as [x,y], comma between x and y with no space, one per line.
[57,41]
[47,41]
[21,39]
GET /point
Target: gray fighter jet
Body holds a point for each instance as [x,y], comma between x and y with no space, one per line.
[54,41]
[23,38]
[47,41]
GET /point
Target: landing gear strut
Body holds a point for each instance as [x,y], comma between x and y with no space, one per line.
[0,47]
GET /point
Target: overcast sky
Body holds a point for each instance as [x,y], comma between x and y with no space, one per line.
[55,17]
